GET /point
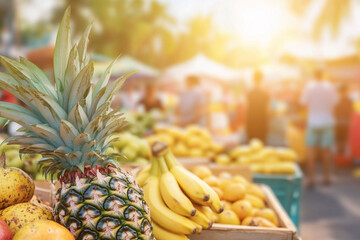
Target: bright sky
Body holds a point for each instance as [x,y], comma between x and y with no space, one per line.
[257,21]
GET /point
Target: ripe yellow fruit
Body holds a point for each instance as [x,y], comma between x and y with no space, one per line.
[222,159]
[256,145]
[226,204]
[240,179]
[219,192]
[228,217]
[247,221]
[225,175]
[234,191]
[212,181]
[268,214]
[16,187]
[254,211]
[43,229]
[242,208]
[257,222]
[255,201]
[202,171]
[255,190]
[18,215]
[224,183]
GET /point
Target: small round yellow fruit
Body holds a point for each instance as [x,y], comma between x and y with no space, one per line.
[212,181]
[202,171]
[242,208]
[255,201]
[234,191]
[228,217]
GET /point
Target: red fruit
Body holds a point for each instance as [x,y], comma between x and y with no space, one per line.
[5,233]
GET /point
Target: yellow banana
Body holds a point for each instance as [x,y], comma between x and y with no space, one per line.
[160,213]
[202,220]
[214,201]
[189,182]
[171,193]
[143,175]
[207,211]
[162,234]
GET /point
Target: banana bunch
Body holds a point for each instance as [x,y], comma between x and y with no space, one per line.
[180,203]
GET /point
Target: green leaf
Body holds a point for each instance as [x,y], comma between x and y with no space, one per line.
[94,126]
[63,150]
[103,81]
[68,132]
[79,140]
[114,88]
[61,52]
[81,85]
[78,117]
[48,133]
[83,43]
[88,146]
[72,70]
[47,106]
[39,78]
[18,114]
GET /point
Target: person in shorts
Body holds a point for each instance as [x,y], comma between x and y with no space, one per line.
[320,98]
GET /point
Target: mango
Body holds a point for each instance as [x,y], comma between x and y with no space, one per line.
[16,187]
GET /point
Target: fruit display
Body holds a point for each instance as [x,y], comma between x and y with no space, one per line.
[140,123]
[135,149]
[43,229]
[244,202]
[261,159]
[180,203]
[70,125]
[193,141]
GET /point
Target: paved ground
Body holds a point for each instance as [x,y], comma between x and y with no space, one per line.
[332,212]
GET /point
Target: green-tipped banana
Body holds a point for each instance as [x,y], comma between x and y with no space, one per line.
[202,220]
[162,234]
[171,193]
[190,183]
[160,213]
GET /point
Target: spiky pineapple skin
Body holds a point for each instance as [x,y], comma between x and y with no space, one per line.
[108,206]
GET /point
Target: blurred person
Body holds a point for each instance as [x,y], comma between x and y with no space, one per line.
[150,99]
[128,98]
[193,104]
[343,113]
[257,109]
[320,98]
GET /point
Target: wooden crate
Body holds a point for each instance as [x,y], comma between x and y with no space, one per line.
[287,230]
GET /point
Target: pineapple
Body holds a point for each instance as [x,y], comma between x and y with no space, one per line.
[71,124]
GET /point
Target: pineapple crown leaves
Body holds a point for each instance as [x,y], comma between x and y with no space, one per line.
[70,123]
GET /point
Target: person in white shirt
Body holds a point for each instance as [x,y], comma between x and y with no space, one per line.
[320,98]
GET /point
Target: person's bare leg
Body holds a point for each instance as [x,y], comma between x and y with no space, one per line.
[311,166]
[326,162]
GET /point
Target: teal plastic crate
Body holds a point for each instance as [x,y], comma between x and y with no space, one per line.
[287,189]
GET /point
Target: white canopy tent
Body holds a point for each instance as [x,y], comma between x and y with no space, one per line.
[202,66]
[127,64]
